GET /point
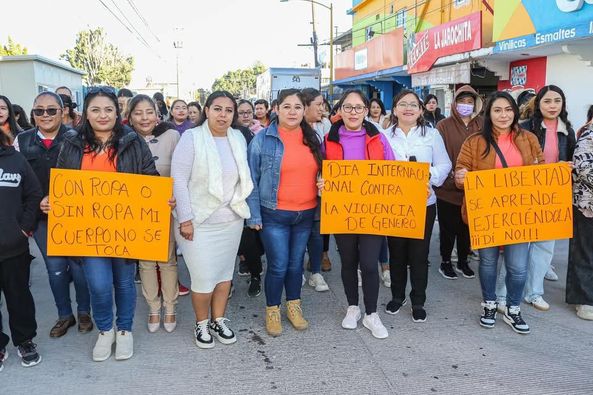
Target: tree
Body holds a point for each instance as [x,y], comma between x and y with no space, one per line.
[12,48]
[240,82]
[201,95]
[102,61]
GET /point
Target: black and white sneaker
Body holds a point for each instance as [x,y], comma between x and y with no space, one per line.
[28,353]
[254,286]
[488,317]
[513,317]
[447,271]
[465,270]
[3,356]
[393,306]
[243,269]
[418,314]
[222,332]
[202,333]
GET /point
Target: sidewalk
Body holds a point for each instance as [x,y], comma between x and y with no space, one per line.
[449,354]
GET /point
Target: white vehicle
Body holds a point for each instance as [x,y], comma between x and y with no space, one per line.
[274,79]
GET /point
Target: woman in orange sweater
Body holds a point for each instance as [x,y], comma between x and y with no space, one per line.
[285,160]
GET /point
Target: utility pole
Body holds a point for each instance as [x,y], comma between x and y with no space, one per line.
[178,45]
[314,39]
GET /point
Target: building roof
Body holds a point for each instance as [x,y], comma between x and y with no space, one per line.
[38,58]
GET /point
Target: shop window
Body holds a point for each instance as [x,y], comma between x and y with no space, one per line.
[42,88]
[400,18]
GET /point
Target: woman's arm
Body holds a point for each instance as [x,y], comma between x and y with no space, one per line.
[254,160]
[181,168]
[441,164]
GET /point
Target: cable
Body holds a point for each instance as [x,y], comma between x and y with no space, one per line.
[131,24]
[133,6]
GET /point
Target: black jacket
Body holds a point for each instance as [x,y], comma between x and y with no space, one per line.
[433,117]
[41,159]
[133,154]
[566,142]
[20,195]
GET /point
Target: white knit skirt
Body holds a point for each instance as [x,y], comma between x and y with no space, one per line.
[210,257]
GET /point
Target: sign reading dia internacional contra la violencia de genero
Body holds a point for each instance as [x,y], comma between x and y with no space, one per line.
[385,198]
[519,204]
[104,214]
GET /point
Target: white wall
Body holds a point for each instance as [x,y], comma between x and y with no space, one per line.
[52,77]
[17,83]
[575,77]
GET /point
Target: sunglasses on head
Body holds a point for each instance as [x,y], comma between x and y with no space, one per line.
[38,112]
[101,89]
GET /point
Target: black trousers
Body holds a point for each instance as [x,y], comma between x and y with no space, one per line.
[251,247]
[452,228]
[363,249]
[325,243]
[579,275]
[14,284]
[412,252]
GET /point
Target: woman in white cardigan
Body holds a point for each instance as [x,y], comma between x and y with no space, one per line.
[211,183]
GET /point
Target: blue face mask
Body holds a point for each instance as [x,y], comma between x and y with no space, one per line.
[465,110]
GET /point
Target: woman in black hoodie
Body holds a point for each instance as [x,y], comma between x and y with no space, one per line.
[432,112]
[20,195]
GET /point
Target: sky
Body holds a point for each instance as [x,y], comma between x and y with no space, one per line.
[217,36]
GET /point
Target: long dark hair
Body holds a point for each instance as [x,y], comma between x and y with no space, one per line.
[23,120]
[310,137]
[67,103]
[133,103]
[488,128]
[12,125]
[379,103]
[213,96]
[420,122]
[86,132]
[538,117]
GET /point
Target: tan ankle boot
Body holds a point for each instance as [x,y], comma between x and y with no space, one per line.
[295,315]
[273,324]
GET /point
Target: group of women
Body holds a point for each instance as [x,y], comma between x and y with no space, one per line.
[247,183]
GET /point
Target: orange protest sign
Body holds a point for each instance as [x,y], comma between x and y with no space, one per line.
[519,204]
[108,214]
[385,198]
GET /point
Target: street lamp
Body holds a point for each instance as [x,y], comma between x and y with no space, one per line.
[331,41]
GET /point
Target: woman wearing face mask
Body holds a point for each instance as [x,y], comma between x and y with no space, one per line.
[178,116]
[516,147]
[212,182]
[8,124]
[161,139]
[432,113]
[41,147]
[246,111]
[103,144]
[463,122]
[557,138]
[285,160]
[410,137]
[355,138]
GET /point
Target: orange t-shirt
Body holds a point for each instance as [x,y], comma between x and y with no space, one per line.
[509,150]
[297,190]
[98,162]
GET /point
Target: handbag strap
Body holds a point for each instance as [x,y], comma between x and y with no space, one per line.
[500,155]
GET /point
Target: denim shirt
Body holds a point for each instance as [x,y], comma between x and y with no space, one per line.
[264,156]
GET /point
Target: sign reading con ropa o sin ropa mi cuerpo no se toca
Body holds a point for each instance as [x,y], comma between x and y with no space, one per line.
[105,214]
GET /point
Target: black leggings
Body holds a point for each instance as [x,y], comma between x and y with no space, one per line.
[252,249]
[452,228]
[363,249]
[412,252]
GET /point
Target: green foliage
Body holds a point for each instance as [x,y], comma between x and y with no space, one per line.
[201,94]
[240,82]
[12,48]
[102,61]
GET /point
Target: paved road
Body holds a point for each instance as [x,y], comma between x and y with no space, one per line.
[450,353]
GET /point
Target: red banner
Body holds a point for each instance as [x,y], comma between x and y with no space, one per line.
[458,36]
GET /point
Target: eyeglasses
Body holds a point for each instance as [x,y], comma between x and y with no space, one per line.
[38,112]
[403,104]
[350,108]
[245,113]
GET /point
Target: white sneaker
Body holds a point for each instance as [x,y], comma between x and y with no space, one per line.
[585,312]
[551,274]
[318,282]
[102,349]
[124,345]
[501,306]
[373,323]
[359,278]
[386,277]
[539,303]
[352,317]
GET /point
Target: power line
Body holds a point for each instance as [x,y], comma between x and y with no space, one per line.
[133,6]
[132,25]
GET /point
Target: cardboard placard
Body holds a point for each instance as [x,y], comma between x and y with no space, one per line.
[519,204]
[105,214]
[386,198]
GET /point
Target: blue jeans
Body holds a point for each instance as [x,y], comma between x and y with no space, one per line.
[315,247]
[541,254]
[60,270]
[103,276]
[285,234]
[515,261]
